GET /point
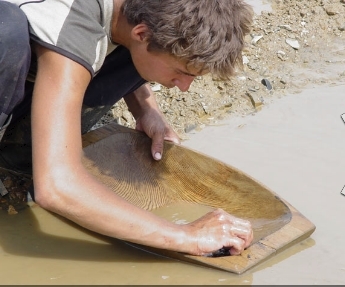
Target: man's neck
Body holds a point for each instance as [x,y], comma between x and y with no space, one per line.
[120,29]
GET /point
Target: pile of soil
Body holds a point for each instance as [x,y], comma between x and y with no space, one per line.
[298,43]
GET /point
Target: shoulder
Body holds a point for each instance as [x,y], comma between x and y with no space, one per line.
[75,28]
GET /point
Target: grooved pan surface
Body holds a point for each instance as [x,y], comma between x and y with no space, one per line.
[120,158]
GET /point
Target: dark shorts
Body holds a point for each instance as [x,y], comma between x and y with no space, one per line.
[14,57]
[117,78]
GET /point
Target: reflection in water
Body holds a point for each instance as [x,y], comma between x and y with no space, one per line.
[21,235]
[49,249]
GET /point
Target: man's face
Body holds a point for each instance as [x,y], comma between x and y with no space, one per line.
[164,69]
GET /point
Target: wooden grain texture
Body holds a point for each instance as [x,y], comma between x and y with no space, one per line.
[120,158]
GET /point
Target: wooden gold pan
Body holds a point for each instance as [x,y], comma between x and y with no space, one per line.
[120,157]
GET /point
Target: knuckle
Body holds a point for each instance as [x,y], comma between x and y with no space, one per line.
[248,223]
[158,145]
[219,212]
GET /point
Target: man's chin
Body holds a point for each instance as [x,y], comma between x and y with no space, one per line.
[169,86]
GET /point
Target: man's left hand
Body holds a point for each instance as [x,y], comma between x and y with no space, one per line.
[149,119]
[152,122]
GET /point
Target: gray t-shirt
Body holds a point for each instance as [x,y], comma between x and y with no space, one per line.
[77,29]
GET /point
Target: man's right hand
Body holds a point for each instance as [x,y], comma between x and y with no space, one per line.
[218,229]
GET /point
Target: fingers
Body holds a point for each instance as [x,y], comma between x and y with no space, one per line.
[236,245]
[237,232]
[243,230]
[158,141]
[152,122]
[171,136]
[235,226]
[218,229]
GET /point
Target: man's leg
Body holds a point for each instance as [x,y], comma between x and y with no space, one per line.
[14,64]
[6,121]
[14,59]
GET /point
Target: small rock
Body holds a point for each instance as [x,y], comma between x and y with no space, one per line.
[286,27]
[283,81]
[252,66]
[11,210]
[331,10]
[156,87]
[245,60]
[189,128]
[254,100]
[293,43]
[127,116]
[118,121]
[256,39]
[281,55]
[267,84]
[303,13]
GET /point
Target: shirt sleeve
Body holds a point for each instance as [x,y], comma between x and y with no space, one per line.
[73,28]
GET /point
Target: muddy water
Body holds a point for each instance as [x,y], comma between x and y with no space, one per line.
[37,247]
[294,146]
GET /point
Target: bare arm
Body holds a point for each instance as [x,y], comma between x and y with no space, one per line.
[61,182]
[64,186]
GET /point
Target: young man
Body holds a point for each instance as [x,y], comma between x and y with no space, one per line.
[79,58]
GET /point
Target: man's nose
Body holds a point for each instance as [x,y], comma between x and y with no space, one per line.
[183,82]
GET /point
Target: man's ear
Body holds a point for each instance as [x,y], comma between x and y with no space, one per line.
[140,32]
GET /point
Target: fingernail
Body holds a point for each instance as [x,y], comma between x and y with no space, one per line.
[158,156]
